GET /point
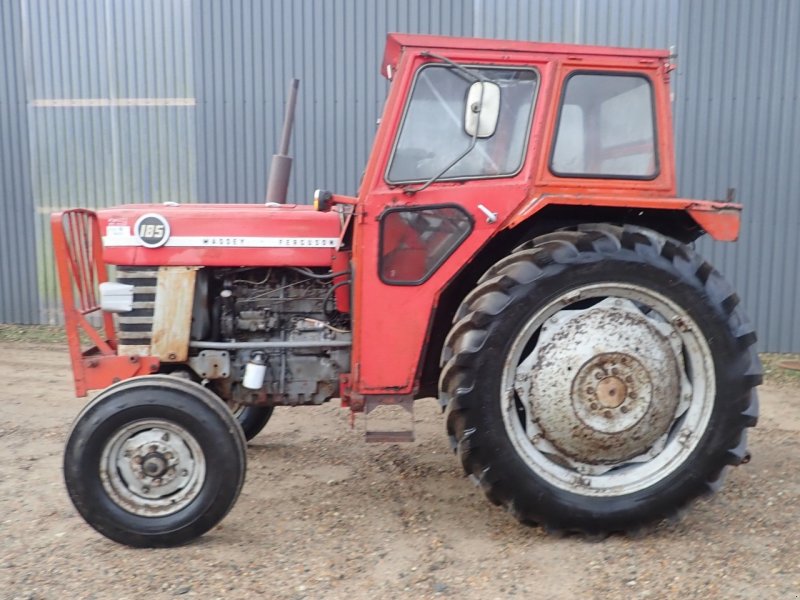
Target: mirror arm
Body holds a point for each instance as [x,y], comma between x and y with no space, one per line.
[410,191]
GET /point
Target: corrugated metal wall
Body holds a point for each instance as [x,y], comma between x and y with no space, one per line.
[110,109]
[183,100]
[248,50]
[19,298]
[738,125]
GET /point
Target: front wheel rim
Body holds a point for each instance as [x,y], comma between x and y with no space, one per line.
[152,468]
[530,423]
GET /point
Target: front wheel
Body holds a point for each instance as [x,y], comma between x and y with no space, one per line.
[599,380]
[154,461]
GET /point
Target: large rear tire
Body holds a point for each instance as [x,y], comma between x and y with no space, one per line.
[155,461]
[599,380]
[252,418]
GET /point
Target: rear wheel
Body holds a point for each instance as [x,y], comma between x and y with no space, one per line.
[252,418]
[154,461]
[599,380]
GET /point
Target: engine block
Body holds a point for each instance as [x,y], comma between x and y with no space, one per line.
[277,306]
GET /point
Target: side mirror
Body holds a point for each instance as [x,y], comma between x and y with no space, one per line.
[482,110]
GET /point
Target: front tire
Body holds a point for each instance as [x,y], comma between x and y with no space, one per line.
[154,461]
[599,380]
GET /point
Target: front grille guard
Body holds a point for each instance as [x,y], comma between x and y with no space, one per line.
[78,248]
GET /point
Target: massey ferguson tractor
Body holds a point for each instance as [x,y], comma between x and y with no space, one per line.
[516,248]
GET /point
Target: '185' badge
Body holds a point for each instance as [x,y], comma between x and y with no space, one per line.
[152,230]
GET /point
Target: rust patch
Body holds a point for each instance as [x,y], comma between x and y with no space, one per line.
[172,316]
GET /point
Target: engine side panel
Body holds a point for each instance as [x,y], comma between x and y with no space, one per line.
[219,235]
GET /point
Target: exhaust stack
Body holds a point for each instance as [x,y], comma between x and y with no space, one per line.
[281,166]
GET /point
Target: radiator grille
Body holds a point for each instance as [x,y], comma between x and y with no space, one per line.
[136,326]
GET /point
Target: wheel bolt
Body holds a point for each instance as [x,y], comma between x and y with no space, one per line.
[146,489]
[624,409]
[165,437]
[184,472]
[593,406]
[607,414]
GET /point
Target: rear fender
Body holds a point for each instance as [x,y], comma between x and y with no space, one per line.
[682,219]
[720,220]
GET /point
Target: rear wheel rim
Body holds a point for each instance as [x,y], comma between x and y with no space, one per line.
[152,468]
[540,433]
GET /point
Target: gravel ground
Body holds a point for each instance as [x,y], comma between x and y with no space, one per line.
[324,515]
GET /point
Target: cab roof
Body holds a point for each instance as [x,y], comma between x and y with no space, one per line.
[396,42]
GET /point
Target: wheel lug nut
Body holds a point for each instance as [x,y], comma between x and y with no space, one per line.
[593,406]
[146,489]
[624,409]
[184,472]
[607,414]
[165,437]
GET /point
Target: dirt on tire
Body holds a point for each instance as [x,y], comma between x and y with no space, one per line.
[325,515]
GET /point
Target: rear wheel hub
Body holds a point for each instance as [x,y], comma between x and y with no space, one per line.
[604,383]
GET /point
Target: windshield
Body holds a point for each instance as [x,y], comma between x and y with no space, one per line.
[432,134]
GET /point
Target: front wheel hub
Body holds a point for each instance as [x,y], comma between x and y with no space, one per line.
[604,383]
[152,467]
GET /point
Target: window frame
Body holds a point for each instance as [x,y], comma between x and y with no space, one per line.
[525,144]
[657,155]
[416,208]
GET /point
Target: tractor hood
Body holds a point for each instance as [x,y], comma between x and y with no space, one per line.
[233,235]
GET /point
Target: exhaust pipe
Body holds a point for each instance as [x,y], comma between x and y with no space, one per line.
[281,166]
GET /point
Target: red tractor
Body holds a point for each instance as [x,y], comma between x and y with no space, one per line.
[516,248]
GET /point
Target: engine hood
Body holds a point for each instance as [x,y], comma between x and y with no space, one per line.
[232,235]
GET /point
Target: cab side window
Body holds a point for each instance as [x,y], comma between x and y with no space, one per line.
[606,128]
[416,241]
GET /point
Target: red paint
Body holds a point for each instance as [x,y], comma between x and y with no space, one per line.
[76,241]
[391,323]
[224,226]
